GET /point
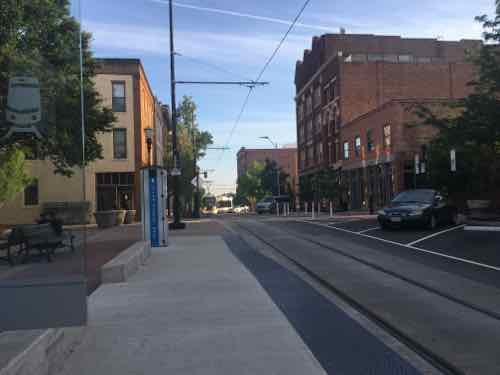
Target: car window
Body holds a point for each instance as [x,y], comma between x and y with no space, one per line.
[420,196]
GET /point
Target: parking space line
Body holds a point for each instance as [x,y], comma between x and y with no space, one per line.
[368,230]
[434,235]
[409,247]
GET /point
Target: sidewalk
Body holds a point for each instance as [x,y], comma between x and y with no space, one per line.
[194,309]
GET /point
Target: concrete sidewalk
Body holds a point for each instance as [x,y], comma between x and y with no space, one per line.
[194,309]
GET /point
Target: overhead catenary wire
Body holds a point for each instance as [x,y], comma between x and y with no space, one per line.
[261,73]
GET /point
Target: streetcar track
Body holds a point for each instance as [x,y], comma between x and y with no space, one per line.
[433,358]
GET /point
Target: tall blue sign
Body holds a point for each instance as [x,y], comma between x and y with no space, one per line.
[153,208]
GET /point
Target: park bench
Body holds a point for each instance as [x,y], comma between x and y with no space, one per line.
[35,237]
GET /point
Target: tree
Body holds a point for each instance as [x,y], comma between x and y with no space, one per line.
[39,38]
[474,130]
[269,178]
[13,179]
[251,188]
[187,132]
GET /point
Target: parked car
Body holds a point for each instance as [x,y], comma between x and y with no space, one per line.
[419,207]
[241,209]
[267,205]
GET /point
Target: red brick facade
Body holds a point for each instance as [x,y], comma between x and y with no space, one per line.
[286,158]
[348,84]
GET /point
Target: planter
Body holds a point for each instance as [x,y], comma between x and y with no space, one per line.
[129,217]
[107,219]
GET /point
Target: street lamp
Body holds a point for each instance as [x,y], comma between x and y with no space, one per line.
[149,142]
[277,166]
[269,139]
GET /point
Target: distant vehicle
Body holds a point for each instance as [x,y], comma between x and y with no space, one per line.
[209,205]
[23,102]
[224,205]
[419,207]
[241,209]
[267,205]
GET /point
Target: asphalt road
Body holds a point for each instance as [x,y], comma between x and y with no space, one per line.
[439,288]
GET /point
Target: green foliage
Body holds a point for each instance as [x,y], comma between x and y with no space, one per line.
[475,130]
[251,188]
[40,38]
[192,143]
[269,178]
[13,179]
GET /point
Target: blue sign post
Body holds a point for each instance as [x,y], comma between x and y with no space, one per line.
[154,195]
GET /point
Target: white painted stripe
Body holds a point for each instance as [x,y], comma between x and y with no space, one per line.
[410,247]
[481,228]
[435,234]
[368,230]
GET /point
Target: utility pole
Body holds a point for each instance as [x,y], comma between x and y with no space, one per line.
[196,208]
[177,224]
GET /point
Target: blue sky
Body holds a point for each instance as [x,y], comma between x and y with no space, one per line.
[242,41]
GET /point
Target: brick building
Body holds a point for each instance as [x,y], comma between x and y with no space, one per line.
[286,158]
[353,94]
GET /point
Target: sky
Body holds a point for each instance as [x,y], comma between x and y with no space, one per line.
[232,39]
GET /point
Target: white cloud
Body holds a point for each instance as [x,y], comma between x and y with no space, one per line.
[230,48]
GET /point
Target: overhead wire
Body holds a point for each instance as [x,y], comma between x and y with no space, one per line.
[261,73]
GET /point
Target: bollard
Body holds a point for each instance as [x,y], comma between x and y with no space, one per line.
[312,210]
[331,209]
[305,204]
[277,209]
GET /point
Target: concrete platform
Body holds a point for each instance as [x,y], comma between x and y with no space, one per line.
[193,309]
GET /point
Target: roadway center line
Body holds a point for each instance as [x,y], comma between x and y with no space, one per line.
[434,235]
[408,246]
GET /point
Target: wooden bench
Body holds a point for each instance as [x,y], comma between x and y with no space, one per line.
[41,237]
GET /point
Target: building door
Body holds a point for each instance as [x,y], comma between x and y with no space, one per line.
[115,191]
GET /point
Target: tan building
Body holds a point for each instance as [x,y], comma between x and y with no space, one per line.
[112,182]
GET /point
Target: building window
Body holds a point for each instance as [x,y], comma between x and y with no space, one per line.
[346,150]
[317,97]
[118,104]
[308,104]
[31,194]
[301,132]
[369,140]
[317,124]
[120,143]
[357,145]
[423,60]
[309,128]
[300,111]
[387,136]
[320,152]
[310,156]
[375,57]
[405,58]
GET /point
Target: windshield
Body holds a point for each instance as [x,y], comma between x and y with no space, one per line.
[267,200]
[415,196]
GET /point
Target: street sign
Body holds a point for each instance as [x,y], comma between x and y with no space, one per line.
[175,172]
[453,159]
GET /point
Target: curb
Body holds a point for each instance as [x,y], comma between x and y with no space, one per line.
[120,268]
[46,354]
[479,228]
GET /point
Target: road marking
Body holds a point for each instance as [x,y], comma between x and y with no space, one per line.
[434,235]
[408,246]
[368,230]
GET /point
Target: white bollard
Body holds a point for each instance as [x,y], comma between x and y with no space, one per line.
[331,209]
[312,210]
[306,207]
[277,209]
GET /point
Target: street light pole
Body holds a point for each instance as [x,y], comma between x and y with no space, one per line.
[277,166]
[196,209]
[177,224]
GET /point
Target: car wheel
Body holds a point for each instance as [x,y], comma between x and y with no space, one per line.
[432,222]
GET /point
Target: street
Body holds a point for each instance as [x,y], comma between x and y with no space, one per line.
[434,291]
